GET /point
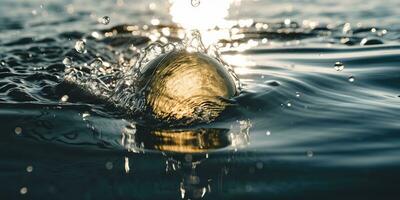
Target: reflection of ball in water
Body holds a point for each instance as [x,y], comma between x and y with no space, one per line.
[187,86]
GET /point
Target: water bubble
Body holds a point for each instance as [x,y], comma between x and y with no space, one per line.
[104,20]
[67,61]
[259,165]
[195,3]
[289,104]
[109,165]
[80,46]
[96,63]
[310,153]
[18,130]
[298,94]
[339,66]
[2,63]
[64,98]
[23,190]
[352,79]
[29,168]
[268,133]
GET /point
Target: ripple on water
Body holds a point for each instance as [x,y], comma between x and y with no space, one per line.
[335,128]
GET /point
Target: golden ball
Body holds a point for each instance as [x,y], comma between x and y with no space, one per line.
[188,87]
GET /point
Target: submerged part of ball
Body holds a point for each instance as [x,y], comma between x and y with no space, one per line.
[181,140]
[186,87]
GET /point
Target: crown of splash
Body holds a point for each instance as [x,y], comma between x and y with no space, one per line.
[118,84]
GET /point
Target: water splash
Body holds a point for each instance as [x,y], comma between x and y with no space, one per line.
[119,83]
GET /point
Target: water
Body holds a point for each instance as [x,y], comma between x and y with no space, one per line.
[337,139]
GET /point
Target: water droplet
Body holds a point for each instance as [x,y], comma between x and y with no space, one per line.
[268,133]
[195,3]
[155,22]
[287,22]
[109,165]
[67,61]
[310,153]
[298,94]
[289,104]
[23,190]
[29,168]
[96,63]
[18,130]
[152,6]
[2,63]
[259,165]
[104,20]
[339,66]
[352,79]
[264,40]
[64,98]
[85,115]
[127,165]
[80,46]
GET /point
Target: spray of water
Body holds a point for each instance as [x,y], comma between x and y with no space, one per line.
[119,84]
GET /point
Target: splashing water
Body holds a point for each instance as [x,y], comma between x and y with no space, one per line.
[335,134]
[119,83]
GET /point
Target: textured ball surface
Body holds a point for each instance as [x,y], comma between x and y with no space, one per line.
[182,86]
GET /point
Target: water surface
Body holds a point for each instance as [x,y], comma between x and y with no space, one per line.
[301,128]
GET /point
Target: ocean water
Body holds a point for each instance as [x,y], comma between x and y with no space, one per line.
[318,115]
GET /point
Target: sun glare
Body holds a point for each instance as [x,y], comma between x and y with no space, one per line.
[208,15]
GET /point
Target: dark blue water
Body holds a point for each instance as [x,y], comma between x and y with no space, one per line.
[299,130]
